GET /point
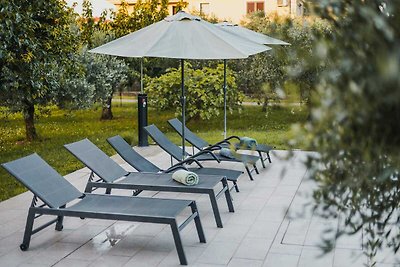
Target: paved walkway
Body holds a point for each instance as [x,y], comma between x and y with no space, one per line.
[271,227]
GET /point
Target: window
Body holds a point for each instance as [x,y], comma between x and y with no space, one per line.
[282,2]
[205,8]
[174,10]
[255,6]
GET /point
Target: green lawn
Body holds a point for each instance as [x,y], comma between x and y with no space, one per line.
[63,127]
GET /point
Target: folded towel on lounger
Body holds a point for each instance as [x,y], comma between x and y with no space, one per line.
[227,153]
[185,177]
[248,142]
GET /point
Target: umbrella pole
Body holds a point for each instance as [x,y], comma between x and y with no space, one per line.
[141,75]
[224,98]
[183,107]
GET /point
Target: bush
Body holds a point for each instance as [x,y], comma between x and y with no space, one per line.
[204,91]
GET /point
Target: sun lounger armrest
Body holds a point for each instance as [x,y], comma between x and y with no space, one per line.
[206,151]
[226,140]
[190,160]
[214,147]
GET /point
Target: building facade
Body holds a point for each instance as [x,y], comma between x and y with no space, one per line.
[234,10]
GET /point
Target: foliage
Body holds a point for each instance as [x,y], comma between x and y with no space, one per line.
[204,91]
[37,37]
[212,18]
[66,126]
[355,125]
[144,13]
[277,69]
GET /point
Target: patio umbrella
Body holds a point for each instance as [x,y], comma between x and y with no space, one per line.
[182,36]
[253,36]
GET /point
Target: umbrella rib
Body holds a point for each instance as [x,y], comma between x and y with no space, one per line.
[228,44]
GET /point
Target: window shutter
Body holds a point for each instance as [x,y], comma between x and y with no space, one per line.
[260,6]
[250,7]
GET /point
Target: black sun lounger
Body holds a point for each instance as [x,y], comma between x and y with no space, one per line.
[114,176]
[141,164]
[56,192]
[202,144]
[204,155]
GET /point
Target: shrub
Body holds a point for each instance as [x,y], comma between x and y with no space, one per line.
[204,91]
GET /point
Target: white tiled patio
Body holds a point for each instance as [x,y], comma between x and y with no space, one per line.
[271,226]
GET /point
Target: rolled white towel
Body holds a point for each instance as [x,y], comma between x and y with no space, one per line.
[185,177]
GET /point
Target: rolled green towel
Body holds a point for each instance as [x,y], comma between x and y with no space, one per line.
[185,177]
[227,153]
[248,142]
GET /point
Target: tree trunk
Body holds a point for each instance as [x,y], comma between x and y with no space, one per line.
[106,113]
[265,104]
[29,114]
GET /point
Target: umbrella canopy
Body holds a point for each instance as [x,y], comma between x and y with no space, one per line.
[250,35]
[182,36]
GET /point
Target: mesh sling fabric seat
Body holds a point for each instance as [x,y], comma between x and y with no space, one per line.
[141,164]
[204,155]
[114,176]
[202,144]
[56,193]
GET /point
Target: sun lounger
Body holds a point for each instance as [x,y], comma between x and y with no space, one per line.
[202,144]
[141,164]
[113,176]
[204,155]
[56,193]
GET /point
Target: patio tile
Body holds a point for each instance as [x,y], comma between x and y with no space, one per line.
[281,260]
[148,258]
[109,260]
[72,262]
[192,254]
[263,229]
[237,262]
[253,248]
[54,253]
[218,253]
[350,258]
[313,257]
[232,233]
[129,246]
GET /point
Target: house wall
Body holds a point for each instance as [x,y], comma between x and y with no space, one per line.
[234,10]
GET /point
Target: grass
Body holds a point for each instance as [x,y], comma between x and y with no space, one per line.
[62,127]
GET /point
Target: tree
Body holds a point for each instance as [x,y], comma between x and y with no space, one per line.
[355,124]
[36,38]
[105,73]
[278,68]
[109,73]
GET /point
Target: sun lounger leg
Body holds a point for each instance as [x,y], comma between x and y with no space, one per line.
[255,168]
[262,159]
[228,196]
[236,186]
[197,221]
[178,243]
[269,158]
[60,219]
[249,172]
[215,209]
[28,230]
